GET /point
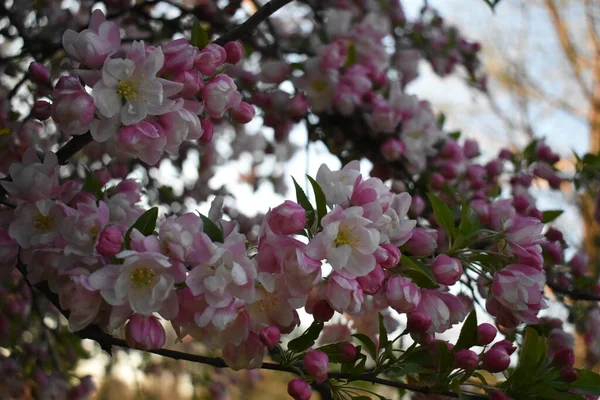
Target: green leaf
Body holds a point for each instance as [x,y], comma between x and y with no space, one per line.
[307,339]
[551,215]
[533,353]
[469,221]
[320,199]
[468,333]
[146,224]
[455,135]
[383,336]
[411,368]
[361,398]
[441,120]
[492,4]
[351,58]
[588,382]
[359,368]
[305,203]
[418,272]
[443,214]
[199,36]
[214,231]
[92,185]
[444,360]
[368,343]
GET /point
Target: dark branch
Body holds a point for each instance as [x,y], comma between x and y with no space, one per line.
[73,146]
[573,294]
[262,14]
[106,341]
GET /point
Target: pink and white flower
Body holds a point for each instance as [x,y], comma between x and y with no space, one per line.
[33,180]
[346,241]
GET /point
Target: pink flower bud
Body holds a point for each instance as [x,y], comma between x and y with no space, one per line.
[447,270]
[568,374]
[471,148]
[145,332]
[347,351]
[393,149]
[423,242]
[73,108]
[299,389]
[39,74]
[322,311]
[418,322]
[388,255]
[287,218]
[417,206]
[402,294]
[496,360]
[235,52]
[220,95]
[243,113]
[210,58]
[564,358]
[208,129]
[269,336]
[297,106]
[505,345]
[424,338]
[179,56]
[109,241]
[373,281]
[466,359]
[486,333]
[494,168]
[192,83]
[41,110]
[579,264]
[316,364]
[437,181]
[498,396]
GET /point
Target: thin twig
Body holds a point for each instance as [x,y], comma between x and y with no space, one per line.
[263,13]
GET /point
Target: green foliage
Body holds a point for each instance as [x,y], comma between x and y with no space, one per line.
[212,230]
[307,339]
[551,215]
[199,36]
[468,333]
[443,215]
[146,224]
[418,272]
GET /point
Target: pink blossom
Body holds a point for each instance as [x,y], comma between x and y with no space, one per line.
[73,108]
[316,364]
[274,71]
[36,224]
[33,180]
[346,241]
[517,295]
[466,359]
[248,355]
[243,113]
[9,249]
[287,218]
[145,140]
[235,52]
[269,336]
[210,58]
[338,185]
[39,74]
[444,309]
[145,332]
[447,270]
[179,57]
[220,95]
[343,294]
[523,231]
[393,149]
[417,322]
[176,235]
[191,81]
[298,389]
[496,360]
[423,241]
[93,45]
[143,282]
[110,241]
[221,271]
[373,281]
[485,334]
[402,294]
[81,228]
[388,255]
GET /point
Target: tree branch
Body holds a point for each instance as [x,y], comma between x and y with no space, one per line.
[567,44]
[106,341]
[263,13]
[573,294]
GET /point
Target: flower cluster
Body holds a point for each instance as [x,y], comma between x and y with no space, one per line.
[148,101]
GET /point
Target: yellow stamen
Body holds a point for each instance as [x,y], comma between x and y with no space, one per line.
[127,90]
[43,223]
[142,277]
[346,236]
